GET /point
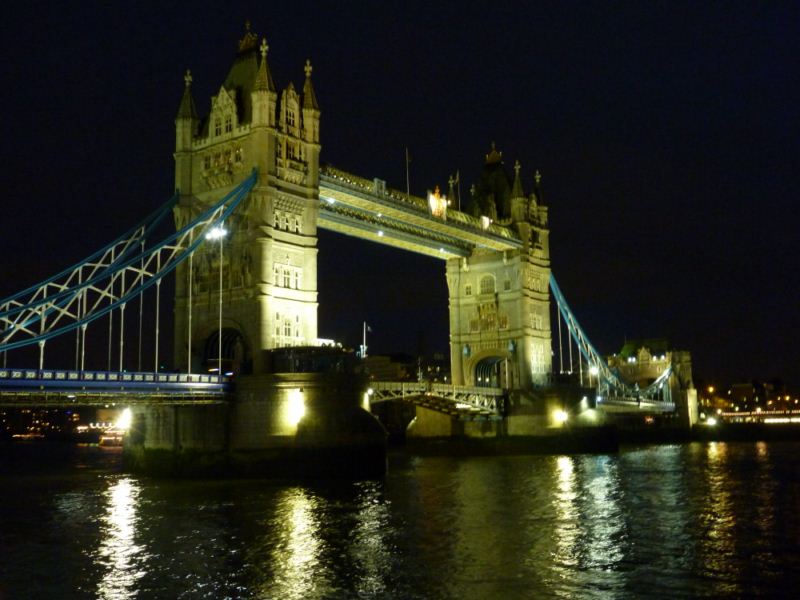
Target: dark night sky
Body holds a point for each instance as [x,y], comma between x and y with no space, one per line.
[666,134]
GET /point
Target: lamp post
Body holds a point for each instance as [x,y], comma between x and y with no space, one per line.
[593,370]
[218,232]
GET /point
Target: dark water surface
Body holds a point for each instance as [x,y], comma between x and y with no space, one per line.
[671,521]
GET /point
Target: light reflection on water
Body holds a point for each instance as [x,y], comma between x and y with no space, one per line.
[118,552]
[672,521]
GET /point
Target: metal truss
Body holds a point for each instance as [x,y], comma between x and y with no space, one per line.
[91,292]
[59,286]
[451,399]
[610,384]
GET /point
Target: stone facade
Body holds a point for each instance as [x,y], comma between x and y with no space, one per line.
[268,257]
[499,301]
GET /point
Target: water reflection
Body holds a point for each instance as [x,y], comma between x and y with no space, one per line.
[118,551]
[370,551]
[565,507]
[589,528]
[605,523]
[295,555]
[718,519]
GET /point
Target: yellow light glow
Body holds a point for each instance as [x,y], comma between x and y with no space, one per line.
[437,203]
[560,416]
[296,407]
[124,421]
[711,421]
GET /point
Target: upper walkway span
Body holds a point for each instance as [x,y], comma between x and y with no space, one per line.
[366,209]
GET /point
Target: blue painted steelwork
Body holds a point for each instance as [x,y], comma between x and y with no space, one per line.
[146,382]
[128,241]
[610,380]
[146,269]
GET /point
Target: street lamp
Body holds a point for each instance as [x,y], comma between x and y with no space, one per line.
[218,232]
[593,371]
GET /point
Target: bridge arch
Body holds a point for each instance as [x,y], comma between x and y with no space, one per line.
[236,351]
[492,368]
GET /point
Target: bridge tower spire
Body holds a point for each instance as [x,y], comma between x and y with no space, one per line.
[267,261]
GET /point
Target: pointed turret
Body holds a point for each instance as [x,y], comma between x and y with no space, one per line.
[187,109]
[311,110]
[519,204]
[264,97]
[516,189]
[537,189]
[264,80]
[311,114]
[186,124]
[309,97]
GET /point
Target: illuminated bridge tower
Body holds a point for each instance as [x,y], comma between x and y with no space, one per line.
[499,301]
[268,254]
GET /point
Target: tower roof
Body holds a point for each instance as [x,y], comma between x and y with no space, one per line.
[242,75]
[187,109]
[309,97]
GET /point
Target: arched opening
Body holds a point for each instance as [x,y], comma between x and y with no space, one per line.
[236,359]
[489,372]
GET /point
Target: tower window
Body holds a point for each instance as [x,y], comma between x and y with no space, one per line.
[487,284]
[507,285]
[228,124]
[290,117]
[217,127]
[468,290]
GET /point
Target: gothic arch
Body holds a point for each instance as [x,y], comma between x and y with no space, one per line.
[236,352]
[491,368]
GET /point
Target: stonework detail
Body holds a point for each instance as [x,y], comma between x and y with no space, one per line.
[267,258]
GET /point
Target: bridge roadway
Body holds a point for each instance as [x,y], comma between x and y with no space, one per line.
[366,209]
[55,388]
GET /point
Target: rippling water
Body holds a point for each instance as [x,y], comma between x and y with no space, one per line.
[677,521]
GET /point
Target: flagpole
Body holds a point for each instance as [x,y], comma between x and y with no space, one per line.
[408,178]
[458,181]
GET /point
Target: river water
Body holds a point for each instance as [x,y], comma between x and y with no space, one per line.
[665,521]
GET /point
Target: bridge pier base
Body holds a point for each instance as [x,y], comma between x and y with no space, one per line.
[286,425]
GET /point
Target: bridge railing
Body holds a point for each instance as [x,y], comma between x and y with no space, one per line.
[10,378]
[467,399]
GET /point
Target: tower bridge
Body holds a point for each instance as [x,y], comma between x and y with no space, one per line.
[250,196]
